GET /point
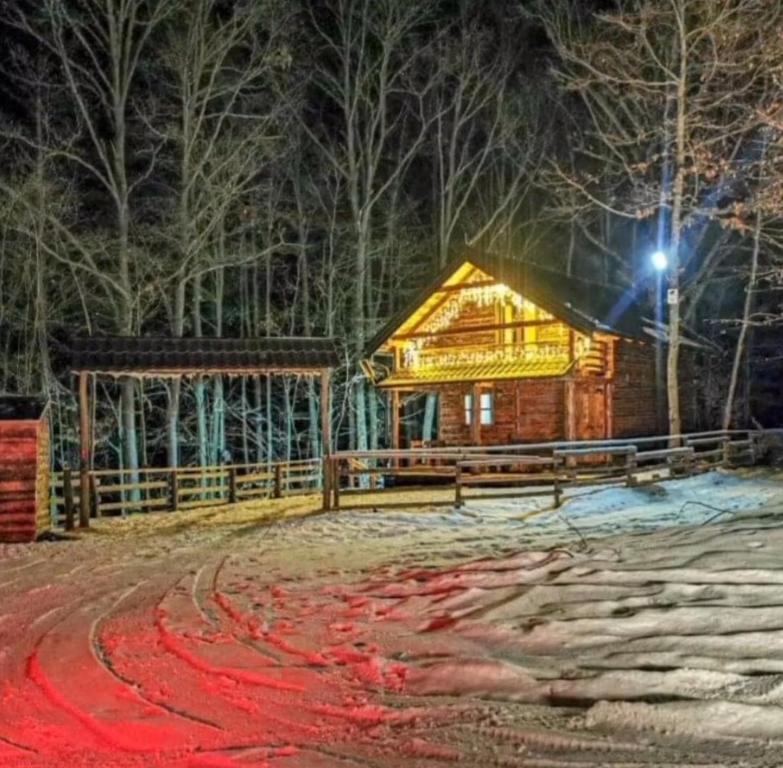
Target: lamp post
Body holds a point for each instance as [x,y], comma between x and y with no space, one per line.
[659,261]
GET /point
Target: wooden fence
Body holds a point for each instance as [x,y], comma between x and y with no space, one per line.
[118,492]
[459,474]
[530,469]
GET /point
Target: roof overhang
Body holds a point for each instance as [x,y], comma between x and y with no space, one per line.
[162,356]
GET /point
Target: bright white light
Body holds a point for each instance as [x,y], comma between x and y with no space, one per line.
[659,261]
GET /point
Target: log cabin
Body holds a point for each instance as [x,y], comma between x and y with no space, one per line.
[518,353]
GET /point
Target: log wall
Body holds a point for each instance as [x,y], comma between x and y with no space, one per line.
[634,406]
[24,480]
[525,410]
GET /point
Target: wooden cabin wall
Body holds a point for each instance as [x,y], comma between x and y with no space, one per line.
[531,410]
[471,315]
[633,397]
[24,480]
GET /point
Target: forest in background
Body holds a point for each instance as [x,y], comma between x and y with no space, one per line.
[284,167]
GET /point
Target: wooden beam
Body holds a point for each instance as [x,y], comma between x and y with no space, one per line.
[394,405]
[326,412]
[85,449]
[326,438]
[171,372]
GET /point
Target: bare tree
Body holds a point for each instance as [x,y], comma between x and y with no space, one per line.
[369,73]
[669,91]
[481,124]
[99,46]
[221,131]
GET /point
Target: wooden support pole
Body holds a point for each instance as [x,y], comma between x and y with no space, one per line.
[458,486]
[85,439]
[394,406]
[326,438]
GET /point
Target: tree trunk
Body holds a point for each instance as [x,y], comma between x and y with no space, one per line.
[739,351]
[673,355]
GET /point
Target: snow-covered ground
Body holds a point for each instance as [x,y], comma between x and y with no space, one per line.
[629,628]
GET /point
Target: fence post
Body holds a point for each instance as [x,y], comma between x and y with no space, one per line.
[68,498]
[174,490]
[752,448]
[84,498]
[95,496]
[690,462]
[726,445]
[326,483]
[278,492]
[336,481]
[556,485]
[232,485]
[458,486]
[630,466]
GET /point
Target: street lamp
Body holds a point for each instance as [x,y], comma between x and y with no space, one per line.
[660,261]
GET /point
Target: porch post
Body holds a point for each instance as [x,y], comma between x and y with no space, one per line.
[475,416]
[326,437]
[85,440]
[394,406]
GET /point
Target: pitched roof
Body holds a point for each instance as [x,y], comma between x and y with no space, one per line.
[21,408]
[165,355]
[584,305]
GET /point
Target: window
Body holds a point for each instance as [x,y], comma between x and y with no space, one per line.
[487,409]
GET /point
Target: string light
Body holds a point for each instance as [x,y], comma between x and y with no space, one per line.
[521,353]
[418,354]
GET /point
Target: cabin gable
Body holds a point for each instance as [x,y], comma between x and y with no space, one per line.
[475,327]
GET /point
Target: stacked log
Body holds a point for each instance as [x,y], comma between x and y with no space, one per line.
[24,470]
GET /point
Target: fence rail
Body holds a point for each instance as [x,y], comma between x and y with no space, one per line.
[120,491]
[539,469]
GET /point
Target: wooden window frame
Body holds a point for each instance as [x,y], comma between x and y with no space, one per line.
[486,408]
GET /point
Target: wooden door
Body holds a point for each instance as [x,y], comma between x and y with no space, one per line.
[590,410]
